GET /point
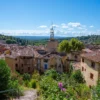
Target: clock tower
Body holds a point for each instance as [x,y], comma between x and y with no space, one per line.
[52,33]
[52,43]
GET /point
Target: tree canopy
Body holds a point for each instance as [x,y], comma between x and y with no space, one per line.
[4,75]
[72,45]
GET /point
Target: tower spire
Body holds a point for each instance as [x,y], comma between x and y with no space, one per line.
[51,32]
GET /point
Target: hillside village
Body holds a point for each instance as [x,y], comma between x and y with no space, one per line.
[26,59]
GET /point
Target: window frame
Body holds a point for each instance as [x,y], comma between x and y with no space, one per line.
[82,59]
[91,76]
[93,64]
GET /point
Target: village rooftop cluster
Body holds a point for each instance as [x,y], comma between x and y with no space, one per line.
[26,59]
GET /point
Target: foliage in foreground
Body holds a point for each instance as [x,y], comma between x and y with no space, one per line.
[4,75]
[8,82]
[55,86]
[96,91]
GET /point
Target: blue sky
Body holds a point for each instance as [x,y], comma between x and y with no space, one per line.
[34,17]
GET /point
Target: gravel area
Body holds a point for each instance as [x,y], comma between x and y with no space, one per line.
[28,95]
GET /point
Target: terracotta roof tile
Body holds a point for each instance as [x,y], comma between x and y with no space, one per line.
[94,56]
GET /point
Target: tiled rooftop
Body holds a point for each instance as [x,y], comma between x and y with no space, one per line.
[94,56]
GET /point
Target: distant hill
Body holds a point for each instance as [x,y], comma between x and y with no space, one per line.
[42,40]
[91,39]
[37,37]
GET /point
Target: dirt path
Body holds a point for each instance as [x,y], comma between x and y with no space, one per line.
[28,95]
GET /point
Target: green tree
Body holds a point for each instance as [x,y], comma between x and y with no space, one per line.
[17,89]
[96,91]
[72,45]
[4,75]
[70,69]
[4,78]
[64,46]
[76,45]
[8,41]
[78,76]
[26,76]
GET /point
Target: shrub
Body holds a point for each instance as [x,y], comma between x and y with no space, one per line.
[34,84]
[27,83]
[64,87]
[4,75]
[78,76]
[17,89]
[36,75]
[52,73]
[26,77]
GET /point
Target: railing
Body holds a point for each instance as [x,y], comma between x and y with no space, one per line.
[11,90]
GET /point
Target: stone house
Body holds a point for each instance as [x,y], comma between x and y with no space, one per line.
[47,60]
[90,67]
[21,61]
[74,56]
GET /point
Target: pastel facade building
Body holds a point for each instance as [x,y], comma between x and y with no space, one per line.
[90,67]
[22,61]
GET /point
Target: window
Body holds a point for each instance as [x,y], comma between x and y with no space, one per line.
[82,68]
[16,65]
[45,60]
[28,68]
[82,59]
[75,56]
[67,58]
[51,66]
[92,64]
[38,60]
[91,76]
[90,86]
[59,66]
[45,66]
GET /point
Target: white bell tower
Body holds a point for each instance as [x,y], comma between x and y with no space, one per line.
[51,33]
[52,44]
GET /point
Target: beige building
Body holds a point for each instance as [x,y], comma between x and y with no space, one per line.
[47,60]
[74,56]
[21,61]
[90,67]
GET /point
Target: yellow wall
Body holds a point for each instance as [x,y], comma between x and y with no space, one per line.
[52,45]
[11,63]
[87,65]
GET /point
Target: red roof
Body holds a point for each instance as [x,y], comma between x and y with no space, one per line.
[94,56]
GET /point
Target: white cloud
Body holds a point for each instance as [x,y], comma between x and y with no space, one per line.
[72,24]
[91,26]
[25,32]
[55,26]
[64,26]
[43,26]
[68,29]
